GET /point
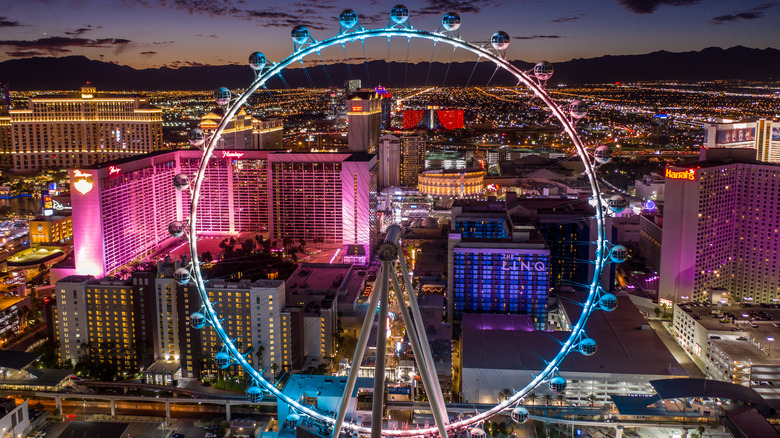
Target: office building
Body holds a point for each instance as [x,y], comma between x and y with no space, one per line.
[762,135]
[121,209]
[389,160]
[496,267]
[720,229]
[72,131]
[401,160]
[364,114]
[412,159]
[650,237]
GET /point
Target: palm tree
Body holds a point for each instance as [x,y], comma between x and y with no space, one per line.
[561,398]
[532,398]
[259,354]
[592,398]
[547,399]
[274,368]
[504,394]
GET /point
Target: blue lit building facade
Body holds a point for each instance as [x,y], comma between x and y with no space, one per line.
[482,226]
[499,275]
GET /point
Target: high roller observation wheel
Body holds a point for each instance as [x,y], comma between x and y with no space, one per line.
[596,295]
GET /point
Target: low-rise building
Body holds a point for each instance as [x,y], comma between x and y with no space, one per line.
[733,343]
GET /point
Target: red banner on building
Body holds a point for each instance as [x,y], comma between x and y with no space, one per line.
[412,118]
[450,119]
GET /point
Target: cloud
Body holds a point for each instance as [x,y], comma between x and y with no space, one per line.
[569,19]
[537,37]
[752,14]
[148,53]
[79,31]
[58,45]
[25,53]
[649,6]
[440,7]
[179,64]
[277,18]
[5,22]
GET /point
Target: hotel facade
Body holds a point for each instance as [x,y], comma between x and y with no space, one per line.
[720,236]
[121,209]
[72,131]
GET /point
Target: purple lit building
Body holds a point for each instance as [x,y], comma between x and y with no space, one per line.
[720,229]
[121,209]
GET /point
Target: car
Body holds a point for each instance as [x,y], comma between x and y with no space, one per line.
[210,428]
[177,435]
[211,435]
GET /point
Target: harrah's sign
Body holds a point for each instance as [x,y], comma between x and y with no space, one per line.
[689,174]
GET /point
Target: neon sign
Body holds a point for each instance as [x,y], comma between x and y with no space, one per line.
[78,173]
[113,170]
[235,155]
[511,263]
[83,186]
[689,174]
[357,108]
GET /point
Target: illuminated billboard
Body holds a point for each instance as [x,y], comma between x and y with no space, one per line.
[776,134]
[730,136]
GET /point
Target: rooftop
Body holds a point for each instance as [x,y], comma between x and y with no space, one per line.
[6,302]
[624,347]
[758,323]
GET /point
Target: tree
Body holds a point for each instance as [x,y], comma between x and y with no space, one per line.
[561,398]
[259,240]
[701,430]
[248,245]
[207,257]
[547,399]
[274,368]
[504,394]
[592,398]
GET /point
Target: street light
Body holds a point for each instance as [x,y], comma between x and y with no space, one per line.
[770,339]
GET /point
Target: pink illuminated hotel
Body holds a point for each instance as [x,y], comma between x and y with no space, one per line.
[121,209]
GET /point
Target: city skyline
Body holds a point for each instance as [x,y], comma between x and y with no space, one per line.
[146,34]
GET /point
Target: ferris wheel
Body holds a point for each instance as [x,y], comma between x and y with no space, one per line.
[389,252]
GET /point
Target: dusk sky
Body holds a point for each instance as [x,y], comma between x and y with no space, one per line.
[149,33]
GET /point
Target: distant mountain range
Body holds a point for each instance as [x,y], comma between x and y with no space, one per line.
[69,73]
